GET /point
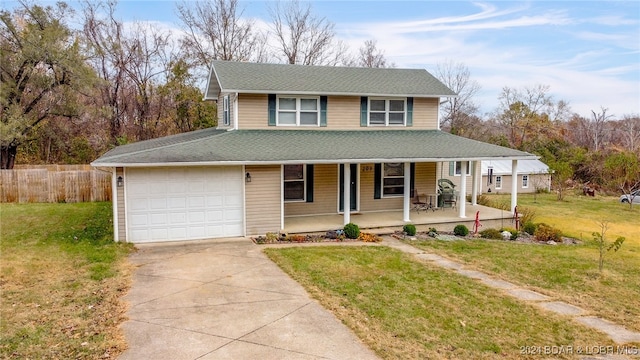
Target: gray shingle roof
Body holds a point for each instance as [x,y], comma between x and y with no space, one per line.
[243,77]
[211,147]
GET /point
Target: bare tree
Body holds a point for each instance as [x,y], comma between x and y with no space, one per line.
[304,38]
[215,30]
[130,63]
[457,112]
[630,132]
[527,114]
[371,56]
[597,127]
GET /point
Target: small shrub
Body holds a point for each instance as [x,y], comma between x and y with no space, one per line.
[409,229]
[271,237]
[546,233]
[461,230]
[352,231]
[433,230]
[491,234]
[367,237]
[529,228]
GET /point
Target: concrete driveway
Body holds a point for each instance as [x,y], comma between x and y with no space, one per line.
[223,299]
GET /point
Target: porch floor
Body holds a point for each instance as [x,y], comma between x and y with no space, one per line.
[443,219]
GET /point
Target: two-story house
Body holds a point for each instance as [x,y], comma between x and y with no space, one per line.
[292,141]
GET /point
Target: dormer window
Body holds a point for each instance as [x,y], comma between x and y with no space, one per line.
[298,111]
[387,112]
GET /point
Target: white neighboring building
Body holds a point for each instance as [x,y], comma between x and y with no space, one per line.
[532,175]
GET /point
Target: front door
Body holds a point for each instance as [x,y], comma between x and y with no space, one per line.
[354,187]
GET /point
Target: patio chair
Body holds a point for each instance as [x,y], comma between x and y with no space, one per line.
[417,204]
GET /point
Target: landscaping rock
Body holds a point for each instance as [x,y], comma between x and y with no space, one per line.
[506,235]
[551,242]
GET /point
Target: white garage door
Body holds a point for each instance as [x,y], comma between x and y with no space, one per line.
[168,204]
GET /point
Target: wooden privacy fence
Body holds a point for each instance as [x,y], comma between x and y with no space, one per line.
[54,183]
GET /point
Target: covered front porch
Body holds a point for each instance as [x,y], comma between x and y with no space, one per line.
[444,219]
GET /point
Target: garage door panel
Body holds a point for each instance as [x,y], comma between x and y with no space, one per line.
[139,220]
[214,201]
[158,219]
[165,204]
[196,217]
[177,203]
[158,204]
[232,215]
[177,218]
[196,202]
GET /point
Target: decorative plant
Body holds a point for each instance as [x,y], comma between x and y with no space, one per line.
[491,234]
[545,232]
[367,237]
[529,228]
[351,230]
[409,229]
[461,230]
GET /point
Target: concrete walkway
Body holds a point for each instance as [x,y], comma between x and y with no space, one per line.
[223,299]
[617,333]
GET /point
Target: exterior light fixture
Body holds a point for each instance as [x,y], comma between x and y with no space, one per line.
[120,181]
[247,177]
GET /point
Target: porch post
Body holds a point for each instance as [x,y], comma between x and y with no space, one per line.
[474,181]
[347,193]
[463,189]
[514,185]
[407,192]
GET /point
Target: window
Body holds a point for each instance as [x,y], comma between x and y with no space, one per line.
[459,168]
[294,111]
[498,182]
[226,112]
[294,182]
[525,181]
[393,179]
[387,112]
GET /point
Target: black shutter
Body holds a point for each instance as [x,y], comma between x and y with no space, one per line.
[377,181]
[310,180]
[363,111]
[272,109]
[410,111]
[323,111]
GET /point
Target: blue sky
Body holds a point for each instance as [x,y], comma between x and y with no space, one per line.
[588,52]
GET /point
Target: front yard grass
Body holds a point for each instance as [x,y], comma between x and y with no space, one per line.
[62,277]
[566,272]
[405,309]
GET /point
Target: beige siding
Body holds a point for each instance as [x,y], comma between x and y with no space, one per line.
[262,199]
[367,202]
[325,193]
[425,113]
[122,219]
[253,111]
[343,112]
[426,181]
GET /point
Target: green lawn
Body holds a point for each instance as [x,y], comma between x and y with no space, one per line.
[404,309]
[62,278]
[567,272]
